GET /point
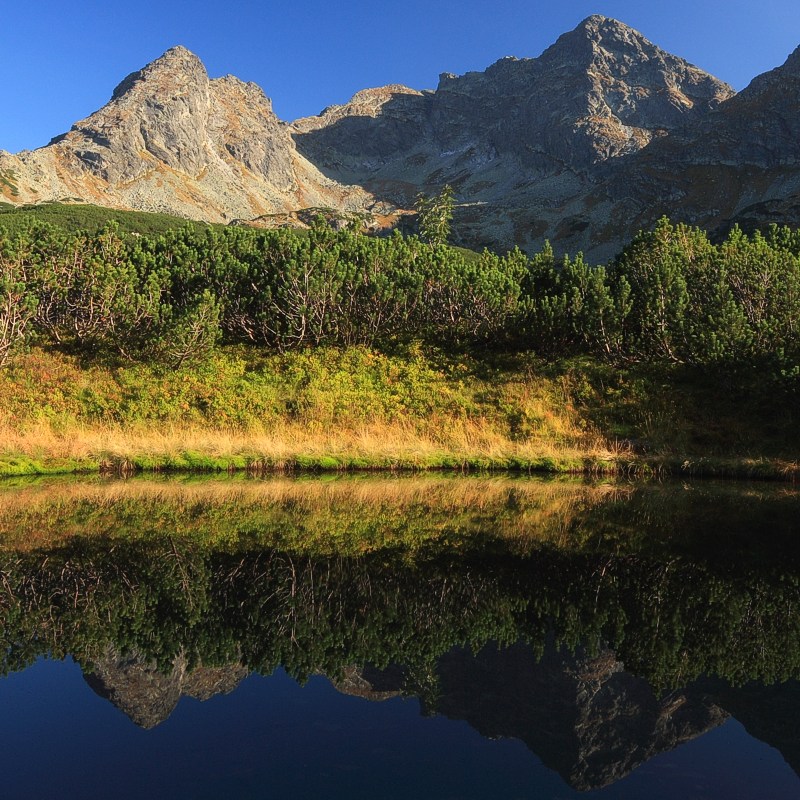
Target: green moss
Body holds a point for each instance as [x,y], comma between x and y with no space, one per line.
[22,465]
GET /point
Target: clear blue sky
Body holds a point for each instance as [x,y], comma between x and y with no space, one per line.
[61,60]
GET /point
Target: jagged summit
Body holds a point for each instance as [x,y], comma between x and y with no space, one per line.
[594,31]
[608,46]
[177,61]
[170,139]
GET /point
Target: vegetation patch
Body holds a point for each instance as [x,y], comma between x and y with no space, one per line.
[210,348]
[86,217]
[8,186]
[318,575]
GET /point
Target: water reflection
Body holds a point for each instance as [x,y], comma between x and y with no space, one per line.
[600,624]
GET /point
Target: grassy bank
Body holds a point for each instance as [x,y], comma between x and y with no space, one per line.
[330,409]
[356,408]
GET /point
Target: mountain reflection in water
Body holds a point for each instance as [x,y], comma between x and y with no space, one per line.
[599,624]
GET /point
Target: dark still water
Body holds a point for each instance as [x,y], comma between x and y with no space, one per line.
[399,638]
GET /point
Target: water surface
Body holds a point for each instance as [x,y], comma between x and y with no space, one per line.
[399,637]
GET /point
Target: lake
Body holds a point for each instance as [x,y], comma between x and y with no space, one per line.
[400,637]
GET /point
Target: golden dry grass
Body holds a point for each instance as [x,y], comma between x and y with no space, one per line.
[336,409]
[475,492]
[379,444]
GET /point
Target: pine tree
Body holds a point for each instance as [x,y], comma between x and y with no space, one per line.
[434,215]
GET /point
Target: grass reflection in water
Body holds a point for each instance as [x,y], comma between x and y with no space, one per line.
[319,575]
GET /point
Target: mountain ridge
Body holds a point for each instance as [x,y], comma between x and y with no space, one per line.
[581,145]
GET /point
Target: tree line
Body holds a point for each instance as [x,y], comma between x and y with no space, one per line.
[671,295]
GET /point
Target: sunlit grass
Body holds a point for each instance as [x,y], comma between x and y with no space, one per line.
[440,443]
[333,410]
[329,410]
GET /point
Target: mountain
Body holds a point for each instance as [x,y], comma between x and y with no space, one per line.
[172,140]
[599,92]
[522,142]
[738,164]
[598,136]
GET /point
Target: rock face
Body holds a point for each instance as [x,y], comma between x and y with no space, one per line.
[523,143]
[738,164]
[600,91]
[597,137]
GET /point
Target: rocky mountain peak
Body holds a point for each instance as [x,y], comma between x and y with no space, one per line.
[596,26]
[170,139]
[605,45]
[177,65]
[581,44]
[157,115]
[621,89]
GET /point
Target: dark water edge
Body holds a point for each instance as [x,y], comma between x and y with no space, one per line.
[273,738]
[443,638]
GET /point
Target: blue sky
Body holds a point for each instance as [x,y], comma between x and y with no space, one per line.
[61,60]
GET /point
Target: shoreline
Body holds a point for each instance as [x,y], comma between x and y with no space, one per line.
[193,463]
